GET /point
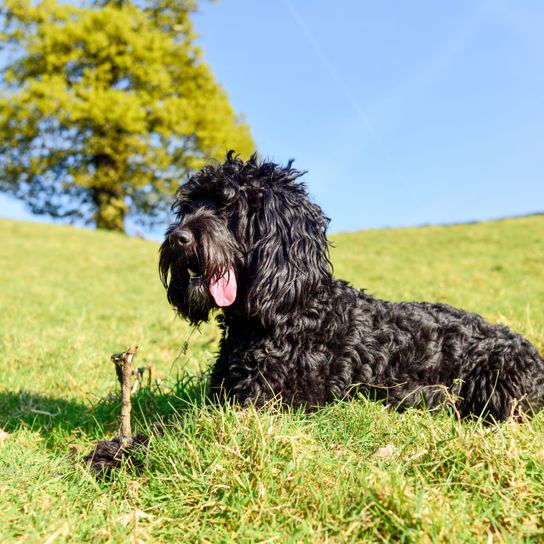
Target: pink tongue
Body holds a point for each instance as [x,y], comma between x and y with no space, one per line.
[223,288]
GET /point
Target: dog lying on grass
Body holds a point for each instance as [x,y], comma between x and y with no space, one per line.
[248,240]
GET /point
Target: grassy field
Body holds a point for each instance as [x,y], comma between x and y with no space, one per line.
[351,472]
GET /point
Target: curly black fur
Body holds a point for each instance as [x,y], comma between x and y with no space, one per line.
[295,332]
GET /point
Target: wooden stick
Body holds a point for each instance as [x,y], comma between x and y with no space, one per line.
[123,368]
[139,374]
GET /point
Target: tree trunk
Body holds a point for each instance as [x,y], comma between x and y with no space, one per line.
[111,208]
[108,195]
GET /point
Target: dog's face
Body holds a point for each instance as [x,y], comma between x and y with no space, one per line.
[201,256]
[247,239]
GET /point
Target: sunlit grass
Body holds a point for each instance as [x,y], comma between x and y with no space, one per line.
[353,471]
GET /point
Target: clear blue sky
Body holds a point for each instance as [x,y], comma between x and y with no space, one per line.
[403,113]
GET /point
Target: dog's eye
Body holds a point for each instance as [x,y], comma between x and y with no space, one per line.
[207,205]
[196,207]
[181,213]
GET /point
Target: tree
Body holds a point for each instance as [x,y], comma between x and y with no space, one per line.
[106,108]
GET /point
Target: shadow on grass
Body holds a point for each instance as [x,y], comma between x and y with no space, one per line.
[46,414]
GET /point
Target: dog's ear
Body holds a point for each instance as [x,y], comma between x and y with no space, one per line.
[288,256]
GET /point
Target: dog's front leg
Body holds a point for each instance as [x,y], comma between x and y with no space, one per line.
[235,380]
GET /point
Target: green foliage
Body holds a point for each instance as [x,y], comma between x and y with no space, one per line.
[352,472]
[107,107]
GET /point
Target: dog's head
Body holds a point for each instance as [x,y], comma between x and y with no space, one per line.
[247,239]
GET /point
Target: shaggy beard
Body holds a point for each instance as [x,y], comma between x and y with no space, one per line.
[199,301]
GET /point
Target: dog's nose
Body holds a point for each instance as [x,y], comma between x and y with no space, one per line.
[183,236]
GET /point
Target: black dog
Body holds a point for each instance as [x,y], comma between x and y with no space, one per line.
[248,240]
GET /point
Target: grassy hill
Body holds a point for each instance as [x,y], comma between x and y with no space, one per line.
[69,298]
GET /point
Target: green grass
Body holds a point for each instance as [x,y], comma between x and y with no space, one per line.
[353,471]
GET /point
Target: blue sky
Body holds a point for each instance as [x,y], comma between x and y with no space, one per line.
[404,113]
